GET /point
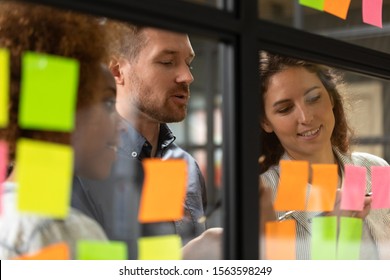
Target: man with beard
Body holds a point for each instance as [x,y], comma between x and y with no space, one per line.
[153,74]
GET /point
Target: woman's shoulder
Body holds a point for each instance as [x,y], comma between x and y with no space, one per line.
[367,159]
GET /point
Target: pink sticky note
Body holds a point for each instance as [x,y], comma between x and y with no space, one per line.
[380,187]
[354,188]
[3,168]
[372,12]
[3,160]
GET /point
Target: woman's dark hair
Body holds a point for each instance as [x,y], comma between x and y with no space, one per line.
[271,64]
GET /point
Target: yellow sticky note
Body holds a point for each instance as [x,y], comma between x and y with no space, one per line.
[292,186]
[280,240]
[101,250]
[163,191]
[44,176]
[322,194]
[165,247]
[58,251]
[338,8]
[4,86]
[48,93]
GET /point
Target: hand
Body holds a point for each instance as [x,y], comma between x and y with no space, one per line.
[207,246]
[348,213]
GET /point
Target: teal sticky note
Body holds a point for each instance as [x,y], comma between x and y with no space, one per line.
[324,238]
[4,86]
[44,176]
[101,250]
[48,92]
[350,238]
[314,4]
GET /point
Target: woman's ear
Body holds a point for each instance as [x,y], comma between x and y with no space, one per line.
[266,125]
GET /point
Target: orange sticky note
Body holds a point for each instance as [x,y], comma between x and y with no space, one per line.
[292,186]
[58,251]
[280,240]
[322,194]
[338,8]
[163,191]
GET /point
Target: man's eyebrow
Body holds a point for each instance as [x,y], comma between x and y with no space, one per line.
[169,51]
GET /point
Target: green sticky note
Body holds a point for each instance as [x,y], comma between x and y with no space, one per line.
[101,250]
[315,4]
[324,238]
[165,247]
[4,86]
[44,176]
[48,92]
[350,238]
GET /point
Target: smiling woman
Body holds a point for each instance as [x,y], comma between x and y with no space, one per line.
[304,120]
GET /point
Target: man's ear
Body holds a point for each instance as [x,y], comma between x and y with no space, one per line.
[115,66]
[266,125]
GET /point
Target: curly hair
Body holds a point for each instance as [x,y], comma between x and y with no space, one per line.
[271,64]
[31,27]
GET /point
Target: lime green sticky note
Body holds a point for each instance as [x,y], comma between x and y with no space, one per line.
[324,238]
[165,247]
[101,250]
[44,176]
[48,92]
[350,238]
[314,4]
[4,86]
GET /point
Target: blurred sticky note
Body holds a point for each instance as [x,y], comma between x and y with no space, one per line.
[280,240]
[324,238]
[4,86]
[354,188]
[337,8]
[164,247]
[3,169]
[372,12]
[350,238]
[380,178]
[57,251]
[163,191]
[322,194]
[292,186]
[48,92]
[3,161]
[314,4]
[44,176]
[101,250]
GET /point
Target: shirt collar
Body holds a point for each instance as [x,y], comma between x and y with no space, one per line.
[132,142]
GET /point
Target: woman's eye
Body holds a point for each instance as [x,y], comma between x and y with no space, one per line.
[312,99]
[284,110]
[110,104]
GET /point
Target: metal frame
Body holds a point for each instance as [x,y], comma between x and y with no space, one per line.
[244,34]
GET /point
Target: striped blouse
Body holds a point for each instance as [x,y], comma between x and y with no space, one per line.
[27,233]
[376,227]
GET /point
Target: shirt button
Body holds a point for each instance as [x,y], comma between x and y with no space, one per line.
[134,154]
